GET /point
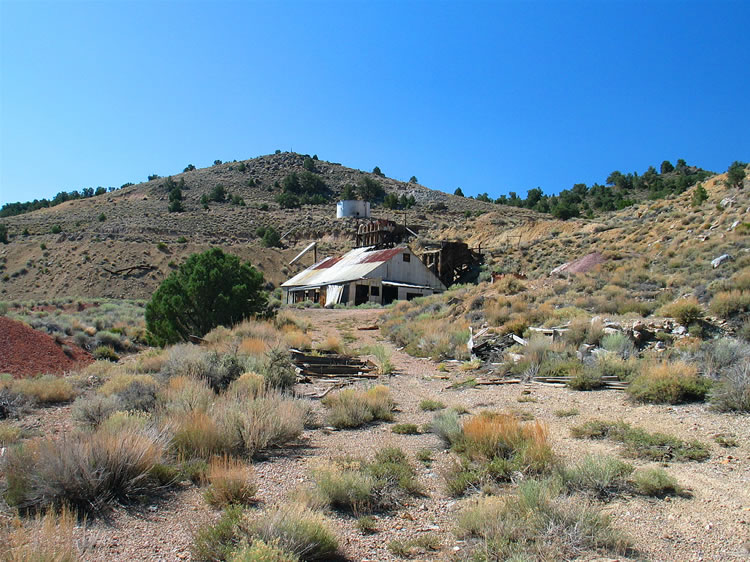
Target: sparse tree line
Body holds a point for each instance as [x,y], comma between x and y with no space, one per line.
[621,190]
[19,208]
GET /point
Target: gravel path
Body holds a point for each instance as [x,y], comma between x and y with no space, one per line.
[714,524]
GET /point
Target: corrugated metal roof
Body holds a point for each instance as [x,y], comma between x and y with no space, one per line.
[353,265]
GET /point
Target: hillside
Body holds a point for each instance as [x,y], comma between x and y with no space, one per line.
[668,242]
[132,226]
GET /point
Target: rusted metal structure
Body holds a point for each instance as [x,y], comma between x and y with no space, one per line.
[370,274]
[451,260]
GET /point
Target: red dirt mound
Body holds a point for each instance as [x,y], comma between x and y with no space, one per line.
[25,351]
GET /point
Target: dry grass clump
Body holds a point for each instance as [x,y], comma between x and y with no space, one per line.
[236,425]
[253,346]
[86,471]
[197,435]
[668,383]
[352,408]
[428,543]
[297,340]
[425,328]
[46,389]
[491,447]
[248,386]
[259,551]
[538,522]
[49,538]
[332,344]
[9,433]
[230,481]
[184,394]
[359,486]
[218,370]
[295,529]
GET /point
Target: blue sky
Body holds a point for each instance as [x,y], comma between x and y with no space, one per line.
[489,96]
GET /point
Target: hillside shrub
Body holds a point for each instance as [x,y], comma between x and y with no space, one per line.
[728,304]
[3,233]
[208,290]
[669,383]
[92,411]
[685,311]
[732,391]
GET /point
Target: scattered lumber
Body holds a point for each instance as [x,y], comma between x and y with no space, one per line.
[373,327]
[130,269]
[331,366]
[609,382]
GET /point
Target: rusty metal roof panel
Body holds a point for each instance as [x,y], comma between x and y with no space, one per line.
[356,264]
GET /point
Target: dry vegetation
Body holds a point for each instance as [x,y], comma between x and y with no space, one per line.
[430,463]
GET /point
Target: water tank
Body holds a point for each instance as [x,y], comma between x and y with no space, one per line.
[353,208]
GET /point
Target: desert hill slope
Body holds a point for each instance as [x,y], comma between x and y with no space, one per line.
[132,226]
[670,239]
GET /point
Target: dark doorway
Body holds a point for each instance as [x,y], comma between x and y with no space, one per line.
[390,294]
[411,296]
[362,294]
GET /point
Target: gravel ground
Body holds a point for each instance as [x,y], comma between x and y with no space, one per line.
[712,524]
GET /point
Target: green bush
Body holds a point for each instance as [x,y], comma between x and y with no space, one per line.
[429,405]
[3,233]
[56,229]
[208,290]
[655,482]
[295,529]
[641,444]
[599,475]
[538,523]
[669,383]
[105,353]
[405,429]
[447,426]
[216,541]
[359,486]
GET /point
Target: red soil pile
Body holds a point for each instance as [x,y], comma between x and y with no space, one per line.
[25,351]
[582,265]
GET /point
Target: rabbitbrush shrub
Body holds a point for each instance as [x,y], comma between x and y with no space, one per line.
[352,408]
[668,383]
